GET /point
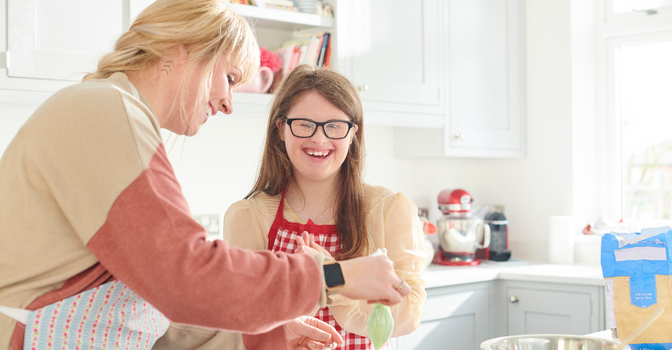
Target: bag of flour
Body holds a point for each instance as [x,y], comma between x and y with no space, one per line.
[636,269]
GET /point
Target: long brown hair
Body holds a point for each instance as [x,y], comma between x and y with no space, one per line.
[276,173]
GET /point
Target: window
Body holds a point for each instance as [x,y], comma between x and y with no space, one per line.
[643,75]
[639,115]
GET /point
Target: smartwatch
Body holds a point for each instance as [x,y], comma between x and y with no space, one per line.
[333,277]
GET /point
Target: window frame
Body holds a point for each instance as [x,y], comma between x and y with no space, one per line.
[614,31]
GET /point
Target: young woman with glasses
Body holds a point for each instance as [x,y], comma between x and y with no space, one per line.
[310,197]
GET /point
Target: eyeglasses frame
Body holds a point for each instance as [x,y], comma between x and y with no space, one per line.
[350,124]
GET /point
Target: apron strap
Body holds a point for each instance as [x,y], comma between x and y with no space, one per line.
[20,315]
[276,223]
[134,90]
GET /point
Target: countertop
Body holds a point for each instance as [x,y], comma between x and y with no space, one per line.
[441,276]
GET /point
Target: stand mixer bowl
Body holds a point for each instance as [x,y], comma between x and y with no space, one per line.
[461,235]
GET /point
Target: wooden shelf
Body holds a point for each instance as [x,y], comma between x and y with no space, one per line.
[279,19]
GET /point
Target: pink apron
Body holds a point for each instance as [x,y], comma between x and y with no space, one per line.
[110,316]
[282,238]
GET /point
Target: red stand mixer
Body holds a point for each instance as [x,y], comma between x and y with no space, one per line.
[460,233]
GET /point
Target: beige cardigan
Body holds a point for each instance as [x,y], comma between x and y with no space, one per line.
[392,224]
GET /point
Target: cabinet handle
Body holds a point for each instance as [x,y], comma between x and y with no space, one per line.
[459,136]
[513,299]
[362,88]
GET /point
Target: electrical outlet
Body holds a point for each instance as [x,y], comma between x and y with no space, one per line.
[211,224]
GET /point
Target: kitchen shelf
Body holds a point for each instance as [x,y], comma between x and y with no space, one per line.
[281,19]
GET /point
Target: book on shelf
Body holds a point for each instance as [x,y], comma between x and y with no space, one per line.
[328,53]
[321,58]
[313,50]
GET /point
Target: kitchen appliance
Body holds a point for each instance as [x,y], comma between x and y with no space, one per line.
[460,232]
[549,342]
[499,237]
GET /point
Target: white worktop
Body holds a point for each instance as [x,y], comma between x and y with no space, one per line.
[441,276]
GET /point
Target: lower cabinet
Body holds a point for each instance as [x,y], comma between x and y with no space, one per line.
[463,316]
[550,308]
[455,317]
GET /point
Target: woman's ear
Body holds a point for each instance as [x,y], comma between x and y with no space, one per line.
[356,127]
[280,123]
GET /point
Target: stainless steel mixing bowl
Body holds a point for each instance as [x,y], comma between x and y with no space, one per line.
[549,342]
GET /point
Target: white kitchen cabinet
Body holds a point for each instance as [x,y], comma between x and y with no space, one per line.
[60,40]
[48,45]
[550,308]
[484,60]
[392,52]
[455,317]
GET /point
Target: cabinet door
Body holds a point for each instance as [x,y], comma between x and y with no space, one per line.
[61,39]
[391,51]
[452,320]
[534,311]
[485,59]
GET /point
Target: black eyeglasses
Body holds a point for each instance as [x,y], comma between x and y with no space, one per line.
[333,129]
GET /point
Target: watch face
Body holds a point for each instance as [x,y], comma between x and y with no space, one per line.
[333,275]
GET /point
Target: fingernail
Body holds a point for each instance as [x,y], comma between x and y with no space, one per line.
[311,345]
[325,336]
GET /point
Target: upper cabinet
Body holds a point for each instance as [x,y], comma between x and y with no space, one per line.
[47,45]
[485,77]
[485,103]
[60,40]
[392,52]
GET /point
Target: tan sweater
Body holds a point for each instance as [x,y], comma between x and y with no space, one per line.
[87,195]
[392,224]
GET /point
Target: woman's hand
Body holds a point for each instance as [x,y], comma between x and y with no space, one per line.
[373,278]
[307,332]
[306,244]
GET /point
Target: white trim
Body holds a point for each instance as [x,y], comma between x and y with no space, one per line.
[611,16]
[614,31]
[612,175]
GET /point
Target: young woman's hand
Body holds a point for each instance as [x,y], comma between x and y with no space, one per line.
[373,278]
[307,332]
[306,244]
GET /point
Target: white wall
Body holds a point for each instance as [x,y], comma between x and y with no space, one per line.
[218,166]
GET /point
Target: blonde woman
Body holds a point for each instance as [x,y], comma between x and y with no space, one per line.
[97,245]
[310,196]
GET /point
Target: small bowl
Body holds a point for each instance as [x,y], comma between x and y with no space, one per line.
[549,342]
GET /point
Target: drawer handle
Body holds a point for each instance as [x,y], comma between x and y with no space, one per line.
[362,88]
[513,299]
[459,136]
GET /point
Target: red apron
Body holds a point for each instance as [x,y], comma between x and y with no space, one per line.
[282,238]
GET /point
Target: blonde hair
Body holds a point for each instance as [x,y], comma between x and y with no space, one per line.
[206,28]
[275,172]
